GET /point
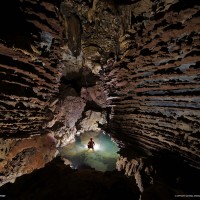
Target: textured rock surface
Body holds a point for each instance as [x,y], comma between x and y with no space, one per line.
[41,76]
[147,54]
[66,114]
[62,61]
[31,38]
[30,68]
[57,181]
[92,120]
[164,176]
[21,156]
[156,82]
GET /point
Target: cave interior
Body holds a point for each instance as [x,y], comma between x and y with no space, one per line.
[125,73]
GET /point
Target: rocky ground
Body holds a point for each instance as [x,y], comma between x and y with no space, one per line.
[57,181]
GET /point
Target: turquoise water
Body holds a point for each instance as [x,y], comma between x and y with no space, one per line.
[103,158]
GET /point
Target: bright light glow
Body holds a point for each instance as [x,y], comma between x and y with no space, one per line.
[102,158]
[96,147]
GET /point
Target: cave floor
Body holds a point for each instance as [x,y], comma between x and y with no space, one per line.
[103,158]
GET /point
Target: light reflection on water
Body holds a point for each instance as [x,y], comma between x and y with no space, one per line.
[103,158]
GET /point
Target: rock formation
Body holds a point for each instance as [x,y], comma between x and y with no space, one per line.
[61,182]
[20,156]
[30,67]
[155,85]
[128,66]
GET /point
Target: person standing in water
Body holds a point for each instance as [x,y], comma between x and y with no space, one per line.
[91,144]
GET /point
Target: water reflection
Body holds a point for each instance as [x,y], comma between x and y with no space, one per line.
[103,158]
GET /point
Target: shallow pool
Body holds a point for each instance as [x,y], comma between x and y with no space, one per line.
[103,158]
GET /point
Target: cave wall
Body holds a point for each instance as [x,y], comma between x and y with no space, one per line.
[43,92]
[20,156]
[30,71]
[30,42]
[155,85]
[147,56]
